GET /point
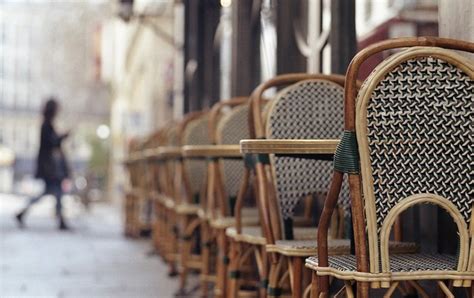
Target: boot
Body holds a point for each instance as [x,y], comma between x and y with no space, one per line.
[19,219]
[62,224]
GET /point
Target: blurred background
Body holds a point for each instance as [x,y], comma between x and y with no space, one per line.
[123,68]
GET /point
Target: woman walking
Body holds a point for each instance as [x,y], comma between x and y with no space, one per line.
[51,163]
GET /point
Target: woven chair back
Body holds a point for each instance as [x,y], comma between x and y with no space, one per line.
[415,135]
[233,127]
[311,109]
[196,132]
[167,168]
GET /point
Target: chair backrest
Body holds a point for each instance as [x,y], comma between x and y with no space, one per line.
[232,127]
[310,109]
[132,165]
[196,132]
[414,128]
[167,168]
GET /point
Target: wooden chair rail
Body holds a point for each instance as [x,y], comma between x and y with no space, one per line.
[169,152]
[289,147]
[212,151]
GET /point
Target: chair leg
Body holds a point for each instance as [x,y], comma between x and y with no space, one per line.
[363,290]
[263,270]
[222,261]
[297,264]
[349,292]
[273,277]
[418,289]
[320,293]
[172,239]
[184,251]
[307,291]
[314,285]
[205,252]
[390,290]
[234,255]
[445,289]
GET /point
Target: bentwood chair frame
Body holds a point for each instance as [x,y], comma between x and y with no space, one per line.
[266,201]
[136,198]
[190,190]
[321,98]
[162,160]
[226,132]
[225,171]
[133,193]
[373,266]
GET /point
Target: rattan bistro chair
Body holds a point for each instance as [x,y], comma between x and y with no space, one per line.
[133,192]
[408,140]
[257,238]
[190,190]
[162,160]
[310,108]
[307,113]
[137,215]
[231,129]
[228,122]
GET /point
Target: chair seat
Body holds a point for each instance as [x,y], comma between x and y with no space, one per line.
[307,248]
[402,267]
[187,209]
[249,218]
[163,200]
[169,203]
[201,213]
[253,235]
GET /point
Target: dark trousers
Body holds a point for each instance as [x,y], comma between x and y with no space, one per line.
[52,188]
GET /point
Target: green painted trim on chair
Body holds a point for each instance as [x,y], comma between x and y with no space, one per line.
[274,291]
[264,284]
[346,158]
[234,274]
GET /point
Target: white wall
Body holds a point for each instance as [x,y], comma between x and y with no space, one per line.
[456,19]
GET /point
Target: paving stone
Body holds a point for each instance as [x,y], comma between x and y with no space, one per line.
[94,260]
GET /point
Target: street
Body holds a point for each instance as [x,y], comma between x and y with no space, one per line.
[92,260]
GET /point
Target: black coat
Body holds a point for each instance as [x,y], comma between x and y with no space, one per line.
[51,162]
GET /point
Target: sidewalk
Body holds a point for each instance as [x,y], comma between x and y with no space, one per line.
[94,260]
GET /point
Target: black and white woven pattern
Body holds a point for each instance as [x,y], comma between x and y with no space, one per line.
[307,110]
[172,136]
[398,262]
[196,133]
[421,135]
[232,128]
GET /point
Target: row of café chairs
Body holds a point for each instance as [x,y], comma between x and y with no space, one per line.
[293,208]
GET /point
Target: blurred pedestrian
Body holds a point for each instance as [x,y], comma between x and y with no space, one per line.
[51,163]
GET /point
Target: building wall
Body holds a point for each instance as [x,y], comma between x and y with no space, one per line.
[456,19]
[139,68]
[46,48]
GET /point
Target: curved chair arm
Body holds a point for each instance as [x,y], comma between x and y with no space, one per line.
[212,151]
[323,226]
[350,91]
[289,147]
[169,152]
[301,148]
[127,161]
[216,112]
[256,122]
[150,154]
[134,157]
